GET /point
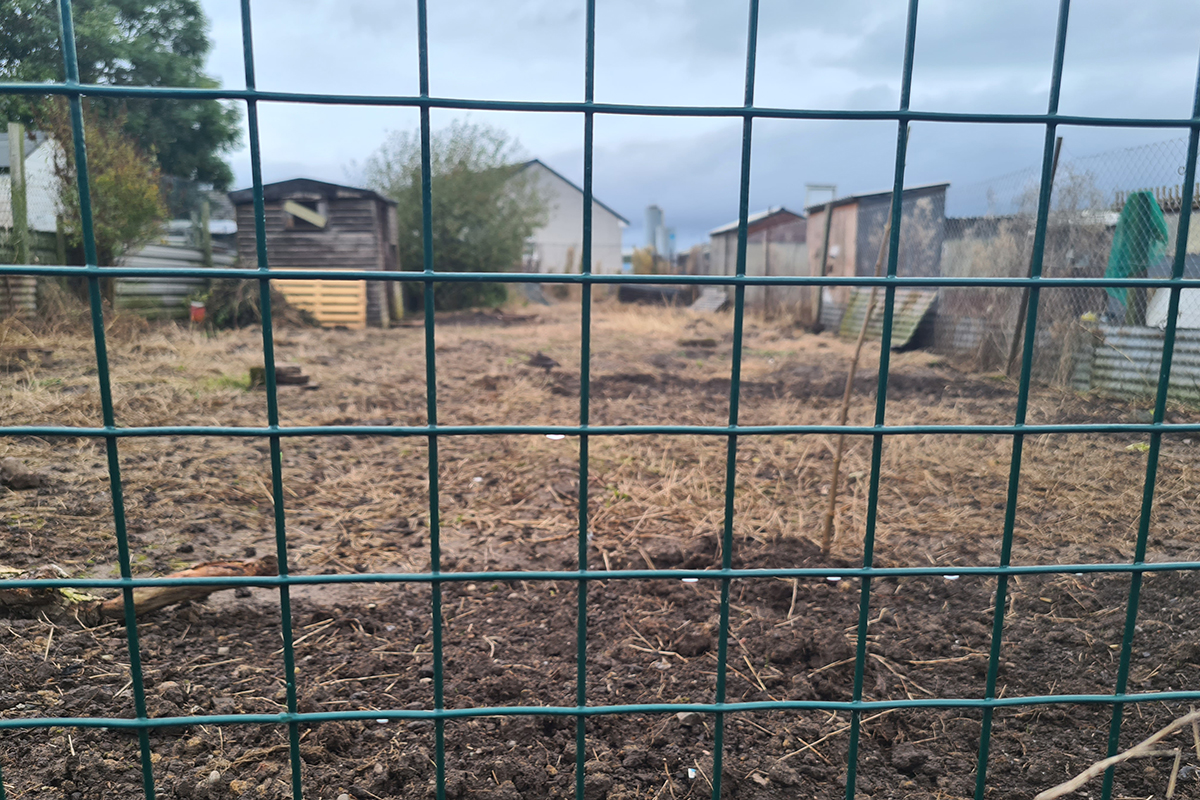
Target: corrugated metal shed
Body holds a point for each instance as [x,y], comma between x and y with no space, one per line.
[912,313]
[164,298]
[1125,362]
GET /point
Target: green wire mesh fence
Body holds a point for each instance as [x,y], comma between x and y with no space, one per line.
[432,432]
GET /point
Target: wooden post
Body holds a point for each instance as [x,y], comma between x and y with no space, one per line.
[824,263]
[20,203]
[1023,309]
[60,241]
[206,251]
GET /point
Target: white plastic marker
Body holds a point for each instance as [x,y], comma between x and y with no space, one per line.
[555,436]
[690,580]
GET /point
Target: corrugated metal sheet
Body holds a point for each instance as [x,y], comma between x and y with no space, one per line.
[18,296]
[960,334]
[1125,361]
[831,313]
[163,297]
[911,309]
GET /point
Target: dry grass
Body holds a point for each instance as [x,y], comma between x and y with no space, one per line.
[362,503]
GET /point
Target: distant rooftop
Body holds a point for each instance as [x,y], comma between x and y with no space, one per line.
[572,184]
[758,216]
[852,198]
[282,190]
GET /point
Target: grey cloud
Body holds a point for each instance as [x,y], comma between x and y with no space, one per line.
[1122,58]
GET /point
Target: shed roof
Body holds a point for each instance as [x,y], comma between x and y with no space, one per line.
[562,178]
[283,190]
[33,140]
[756,218]
[854,198]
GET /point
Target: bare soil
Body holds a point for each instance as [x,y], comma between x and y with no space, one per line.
[360,504]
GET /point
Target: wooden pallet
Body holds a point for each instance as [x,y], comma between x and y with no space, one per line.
[333,303]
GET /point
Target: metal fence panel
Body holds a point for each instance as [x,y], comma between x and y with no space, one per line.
[585,707]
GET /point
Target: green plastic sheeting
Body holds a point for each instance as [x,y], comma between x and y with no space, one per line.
[1139,241]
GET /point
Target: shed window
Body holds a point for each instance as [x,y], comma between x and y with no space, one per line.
[306,215]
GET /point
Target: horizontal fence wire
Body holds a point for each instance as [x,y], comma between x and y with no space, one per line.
[866,573]
[70,88]
[315,717]
[586,279]
[827,573]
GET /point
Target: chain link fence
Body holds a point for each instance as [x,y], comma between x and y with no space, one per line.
[1113,214]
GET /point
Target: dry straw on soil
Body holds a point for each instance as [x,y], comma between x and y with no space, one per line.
[351,502]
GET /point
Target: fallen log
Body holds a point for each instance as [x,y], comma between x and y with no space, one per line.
[15,359]
[152,598]
[65,603]
[285,375]
[53,603]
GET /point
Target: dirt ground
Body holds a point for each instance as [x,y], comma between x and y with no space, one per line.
[360,504]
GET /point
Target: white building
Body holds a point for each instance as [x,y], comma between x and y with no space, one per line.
[558,245]
[41,186]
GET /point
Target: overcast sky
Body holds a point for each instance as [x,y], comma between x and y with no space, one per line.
[1122,58]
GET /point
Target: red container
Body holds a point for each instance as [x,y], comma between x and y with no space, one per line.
[197,312]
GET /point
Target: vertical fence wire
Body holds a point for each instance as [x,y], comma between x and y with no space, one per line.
[885,348]
[71,66]
[739,313]
[1014,474]
[435,544]
[272,393]
[1160,408]
[585,360]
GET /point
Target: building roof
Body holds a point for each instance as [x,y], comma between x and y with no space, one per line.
[854,198]
[33,140]
[560,176]
[283,190]
[757,217]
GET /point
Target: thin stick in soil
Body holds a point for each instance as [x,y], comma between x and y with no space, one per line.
[1143,749]
[844,412]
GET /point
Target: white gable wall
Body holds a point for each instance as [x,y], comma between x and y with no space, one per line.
[558,245]
[41,191]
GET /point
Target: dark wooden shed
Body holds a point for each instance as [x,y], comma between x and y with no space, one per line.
[316,225]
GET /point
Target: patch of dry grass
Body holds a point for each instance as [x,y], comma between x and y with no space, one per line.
[362,503]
